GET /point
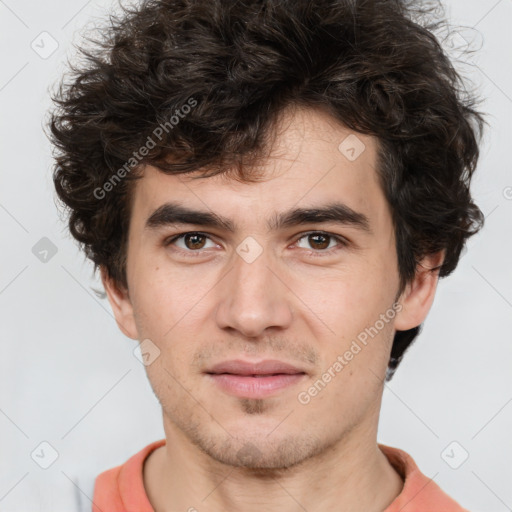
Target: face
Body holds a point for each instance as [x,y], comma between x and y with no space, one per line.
[314,292]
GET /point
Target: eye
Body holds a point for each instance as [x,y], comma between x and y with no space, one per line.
[192,241]
[321,242]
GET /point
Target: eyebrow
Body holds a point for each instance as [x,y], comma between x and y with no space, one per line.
[339,213]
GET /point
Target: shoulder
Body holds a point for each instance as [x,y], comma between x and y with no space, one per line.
[420,493]
[119,486]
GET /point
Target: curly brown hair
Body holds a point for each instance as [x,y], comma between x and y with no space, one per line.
[237,65]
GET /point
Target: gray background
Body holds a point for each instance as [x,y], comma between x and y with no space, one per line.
[70,378]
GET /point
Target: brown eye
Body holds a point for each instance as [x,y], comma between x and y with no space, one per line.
[190,242]
[194,241]
[322,242]
[319,241]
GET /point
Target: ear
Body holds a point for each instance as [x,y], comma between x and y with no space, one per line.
[120,304]
[418,295]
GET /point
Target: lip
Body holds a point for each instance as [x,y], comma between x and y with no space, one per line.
[255,380]
[266,367]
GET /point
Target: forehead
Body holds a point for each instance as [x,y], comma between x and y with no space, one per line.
[314,160]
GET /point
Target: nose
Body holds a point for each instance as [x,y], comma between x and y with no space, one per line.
[253,297]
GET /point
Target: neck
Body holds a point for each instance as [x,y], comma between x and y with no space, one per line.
[353,474]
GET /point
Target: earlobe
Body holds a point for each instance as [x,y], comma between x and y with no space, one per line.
[121,305]
[418,296]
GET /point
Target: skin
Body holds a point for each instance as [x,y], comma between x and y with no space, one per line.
[300,302]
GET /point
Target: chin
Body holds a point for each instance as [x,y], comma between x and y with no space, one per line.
[263,449]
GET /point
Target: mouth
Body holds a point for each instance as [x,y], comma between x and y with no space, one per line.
[255,380]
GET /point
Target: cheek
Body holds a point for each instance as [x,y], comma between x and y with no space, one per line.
[350,299]
[169,312]
[162,299]
[355,308]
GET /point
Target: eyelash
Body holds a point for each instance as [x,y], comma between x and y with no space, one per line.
[318,253]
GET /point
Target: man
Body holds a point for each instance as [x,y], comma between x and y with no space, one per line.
[271,191]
